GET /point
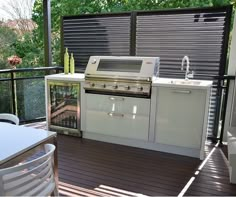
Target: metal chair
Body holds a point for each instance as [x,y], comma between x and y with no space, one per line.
[10,118]
[33,178]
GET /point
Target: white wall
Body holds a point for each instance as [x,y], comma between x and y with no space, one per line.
[231,71]
[232,54]
[228,110]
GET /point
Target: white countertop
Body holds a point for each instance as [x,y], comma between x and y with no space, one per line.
[15,139]
[66,77]
[181,83]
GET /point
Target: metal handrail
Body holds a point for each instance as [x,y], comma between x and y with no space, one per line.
[13,79]
[16,70]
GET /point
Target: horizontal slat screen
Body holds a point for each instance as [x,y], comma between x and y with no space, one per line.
[102,35]
[172,35]
[175,35]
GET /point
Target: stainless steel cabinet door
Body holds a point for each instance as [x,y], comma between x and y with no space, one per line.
[180,116]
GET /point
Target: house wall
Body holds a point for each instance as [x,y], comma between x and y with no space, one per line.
[232,58]
[228,110]
[231,71]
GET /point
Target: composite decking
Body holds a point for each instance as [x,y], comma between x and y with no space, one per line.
[93,168]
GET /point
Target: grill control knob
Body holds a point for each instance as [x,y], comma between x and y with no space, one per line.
[140,88]
[115,86]
[102,85]
[92,84]
[127,87]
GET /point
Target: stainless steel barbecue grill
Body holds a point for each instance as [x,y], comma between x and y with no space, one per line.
[118,95]
[120,75]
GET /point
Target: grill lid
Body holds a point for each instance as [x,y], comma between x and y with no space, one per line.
[122,67]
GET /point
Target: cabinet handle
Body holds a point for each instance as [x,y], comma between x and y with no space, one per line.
[182,91]
[117,98]
[115,114]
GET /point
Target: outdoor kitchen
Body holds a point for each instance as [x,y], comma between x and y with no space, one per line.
[134,103]
[129,99]
[123,101]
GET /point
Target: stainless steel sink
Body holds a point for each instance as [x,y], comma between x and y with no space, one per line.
[186,82]
[183,82]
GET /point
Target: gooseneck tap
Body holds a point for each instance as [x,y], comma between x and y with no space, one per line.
[187,72]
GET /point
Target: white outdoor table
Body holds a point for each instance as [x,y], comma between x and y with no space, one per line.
[15,140]
[19,142]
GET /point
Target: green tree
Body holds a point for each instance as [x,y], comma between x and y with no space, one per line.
[7,39]
[27,49]
[58,9]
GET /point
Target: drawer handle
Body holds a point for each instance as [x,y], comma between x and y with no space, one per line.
[115,114]
[117,98]
[182,91]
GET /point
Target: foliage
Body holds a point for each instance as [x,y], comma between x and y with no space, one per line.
[7,39]
[27,49]
[24,46]
[14,60]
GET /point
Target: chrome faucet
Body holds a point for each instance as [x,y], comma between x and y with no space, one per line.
[187,72]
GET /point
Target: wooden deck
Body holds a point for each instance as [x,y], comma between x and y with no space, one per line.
[92,168]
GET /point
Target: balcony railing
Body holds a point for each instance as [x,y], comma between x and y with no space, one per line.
[222,98]
[22,92]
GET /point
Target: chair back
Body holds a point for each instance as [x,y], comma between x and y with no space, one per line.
[33,178]
[11,118]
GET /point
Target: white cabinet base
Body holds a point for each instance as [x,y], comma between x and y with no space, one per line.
[143,144]
[144,131]
[117,116]
[231,138]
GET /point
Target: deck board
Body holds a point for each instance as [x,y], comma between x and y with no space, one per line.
[108,164]
[92,168]
[213,180]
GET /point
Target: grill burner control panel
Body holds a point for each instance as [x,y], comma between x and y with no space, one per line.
[117,86]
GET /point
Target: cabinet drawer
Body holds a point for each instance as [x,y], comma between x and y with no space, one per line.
[119,104]
[117,124]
